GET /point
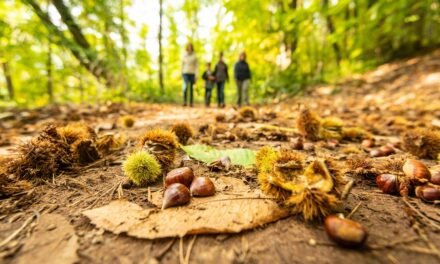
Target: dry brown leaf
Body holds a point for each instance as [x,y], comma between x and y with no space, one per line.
[222,213]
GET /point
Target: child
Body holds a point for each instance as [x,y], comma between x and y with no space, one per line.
[209,83]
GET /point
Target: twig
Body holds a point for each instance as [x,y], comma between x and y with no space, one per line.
[181,257]
[392,244]
[347,189]
[238,198]
[165,249]
[17,232]
[102,195]
[417,211]
[354,210]
[188,250]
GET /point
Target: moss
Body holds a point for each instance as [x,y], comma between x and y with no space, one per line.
[183,131]
[141,168]
[422,142]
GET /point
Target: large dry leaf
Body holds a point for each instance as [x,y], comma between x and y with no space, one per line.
[52,241]
[230,211]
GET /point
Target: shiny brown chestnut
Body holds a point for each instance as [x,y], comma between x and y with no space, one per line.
[428,193]
[376,153]
[184,175]
[388,183]
[176,194]
[345,232]
[202,186]
[416,171]
[298,143]
[435,177]
[387,150]
[368,143]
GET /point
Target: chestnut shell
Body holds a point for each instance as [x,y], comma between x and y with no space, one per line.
[176,194]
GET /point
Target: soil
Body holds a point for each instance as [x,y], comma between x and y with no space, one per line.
[387,101]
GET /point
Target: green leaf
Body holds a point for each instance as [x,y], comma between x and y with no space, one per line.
[207,154]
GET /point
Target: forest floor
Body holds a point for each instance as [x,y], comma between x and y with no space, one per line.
[49,224]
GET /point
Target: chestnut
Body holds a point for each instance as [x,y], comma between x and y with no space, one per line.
[367,143]
[176,194]
[202,186]
[345,232]
[416,171]
[435,177]
[388,183]
[184,175]
[428,193]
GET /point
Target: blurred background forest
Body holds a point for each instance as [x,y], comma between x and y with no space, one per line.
[97,50]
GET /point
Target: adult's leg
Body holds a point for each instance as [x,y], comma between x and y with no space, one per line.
[185,86]
[219,94]
[222,94]
[239,88]
[191,88]
[245,90]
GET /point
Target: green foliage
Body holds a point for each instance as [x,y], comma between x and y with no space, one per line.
[207,154]
[290,44]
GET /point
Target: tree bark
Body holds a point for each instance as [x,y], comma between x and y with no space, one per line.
[8,79]
[49,72]
[86,57]
[331,30]
[162,90]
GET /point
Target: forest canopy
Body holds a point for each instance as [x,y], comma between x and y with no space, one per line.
[96,50]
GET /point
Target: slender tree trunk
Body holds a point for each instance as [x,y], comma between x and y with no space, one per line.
[49,72]
[80,48]
[124,80]
[162,90]
[331,30]
[49,84]
[8,79]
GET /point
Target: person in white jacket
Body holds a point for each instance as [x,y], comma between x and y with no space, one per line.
[190,66]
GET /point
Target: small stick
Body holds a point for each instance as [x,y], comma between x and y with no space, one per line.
[165,249]
[347,189]
[181,257]
[420,214]
[354,210]
[188,250]
[17,232]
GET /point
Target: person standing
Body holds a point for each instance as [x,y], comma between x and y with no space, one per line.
[221,76]
[242,75]
[209,78]
[190,66]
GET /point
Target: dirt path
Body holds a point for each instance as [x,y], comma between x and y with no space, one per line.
[400,96]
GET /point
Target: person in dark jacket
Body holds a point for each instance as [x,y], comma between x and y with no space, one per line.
[209,78]
[221,76]
[242,75]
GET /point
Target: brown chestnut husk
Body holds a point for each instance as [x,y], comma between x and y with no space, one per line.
[388,183]
[416,171]
[176,194]
[184,175]
[428,193]
[345,232]
[202,186]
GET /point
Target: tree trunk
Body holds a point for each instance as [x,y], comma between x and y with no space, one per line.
[124,80]
[49,84]
[86,57]
[49,72]
[162,90]
[8,79]
[331,30]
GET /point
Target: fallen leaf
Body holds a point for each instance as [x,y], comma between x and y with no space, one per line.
[221,213]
